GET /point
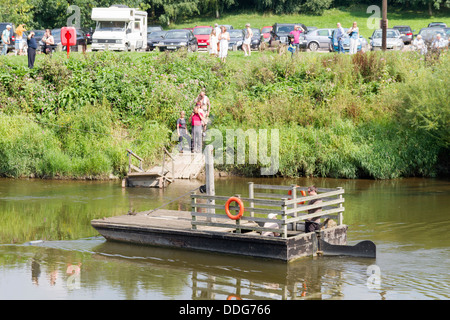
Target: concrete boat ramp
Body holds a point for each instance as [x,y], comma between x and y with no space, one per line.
[207,228]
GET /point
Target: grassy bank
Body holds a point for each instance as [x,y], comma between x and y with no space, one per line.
[377,115]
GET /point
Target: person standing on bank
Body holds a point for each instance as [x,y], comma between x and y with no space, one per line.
[354,38]
[340,33]
[31,51]
[197,129]
[6,35]
[182,132]
[247,40]
[224,37]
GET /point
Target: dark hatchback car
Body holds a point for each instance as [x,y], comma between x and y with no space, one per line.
[256,39]
[88,32]
[280,31]
[11,35]
[406,33]
[437,25]
[236,39]
[178,38]
[153,38]
[81,40]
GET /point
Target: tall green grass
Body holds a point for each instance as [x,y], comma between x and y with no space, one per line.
[375,115]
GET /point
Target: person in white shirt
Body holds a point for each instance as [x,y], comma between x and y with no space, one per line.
[438,43]
[419,45]
[247,40]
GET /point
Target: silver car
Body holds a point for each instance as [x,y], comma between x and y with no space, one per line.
[318,39]
[393,40]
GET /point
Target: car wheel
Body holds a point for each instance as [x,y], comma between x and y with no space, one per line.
[313,46]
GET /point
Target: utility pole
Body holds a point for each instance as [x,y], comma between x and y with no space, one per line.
[384,25]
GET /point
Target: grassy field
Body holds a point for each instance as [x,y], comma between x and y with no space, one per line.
[415,19]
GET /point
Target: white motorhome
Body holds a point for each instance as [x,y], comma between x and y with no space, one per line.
[119,28]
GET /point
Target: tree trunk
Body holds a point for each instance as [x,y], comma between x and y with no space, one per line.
[430,11]
[217,9]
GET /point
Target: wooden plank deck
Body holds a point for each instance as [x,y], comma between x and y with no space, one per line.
[185,166]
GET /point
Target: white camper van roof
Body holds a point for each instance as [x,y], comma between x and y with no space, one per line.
[115,14]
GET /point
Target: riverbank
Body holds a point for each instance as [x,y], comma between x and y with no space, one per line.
[338,116]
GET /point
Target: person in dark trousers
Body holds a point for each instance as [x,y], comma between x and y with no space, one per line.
[182,132]
[31,51]
[313,224]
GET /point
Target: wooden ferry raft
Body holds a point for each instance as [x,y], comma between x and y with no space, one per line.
[208,228]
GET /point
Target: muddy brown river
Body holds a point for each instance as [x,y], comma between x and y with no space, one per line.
[48,249]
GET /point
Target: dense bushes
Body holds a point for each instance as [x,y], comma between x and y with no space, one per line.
[377,115]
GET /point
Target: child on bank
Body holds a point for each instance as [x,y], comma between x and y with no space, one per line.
[182,132]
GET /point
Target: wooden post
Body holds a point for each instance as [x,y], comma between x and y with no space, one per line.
[284,218]
[340,215]
[251,195]
[193,209]
[238,221]
[384,25]
[209,170]
[294,196]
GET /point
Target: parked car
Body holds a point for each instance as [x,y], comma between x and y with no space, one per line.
[153,38]
[447,31]
[154,28]
[178,38]
[256,39]
[318,39]
[346,44]
[429,34]
[393,40]
[437,24]
[81,39]
[265,31]
[88,32]
[406,33]
[228,26]
[236,39]
[11,36]
[311,29]
[202,34]
[280,31]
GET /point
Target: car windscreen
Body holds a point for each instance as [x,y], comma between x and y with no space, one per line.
[235,33]
[110,26]
[266,30]
[202,31]
[285,29]
[152,29]
[431,32]
[256,33]
[176,35]
[39,33]
[403,29]
[156,34]
[389,34]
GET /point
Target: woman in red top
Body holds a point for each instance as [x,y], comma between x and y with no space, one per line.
[197,128]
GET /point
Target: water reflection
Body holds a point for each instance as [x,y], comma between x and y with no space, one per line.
[140,272]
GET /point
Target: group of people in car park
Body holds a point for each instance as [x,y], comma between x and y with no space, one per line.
[219,38]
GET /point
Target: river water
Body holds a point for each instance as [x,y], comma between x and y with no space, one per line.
[48,250]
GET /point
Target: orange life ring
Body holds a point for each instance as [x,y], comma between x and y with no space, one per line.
[231,296]
[241,208]
[301,191]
